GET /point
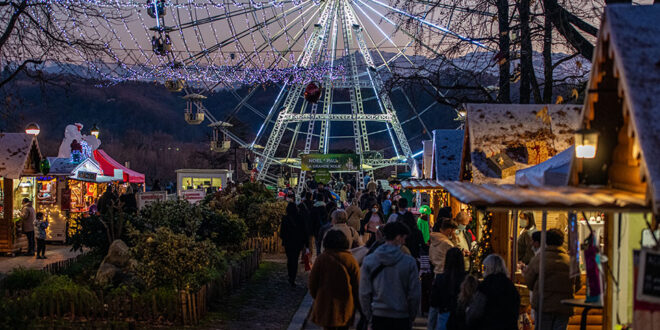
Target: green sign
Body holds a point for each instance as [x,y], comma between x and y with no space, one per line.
[330,162]
[322,176]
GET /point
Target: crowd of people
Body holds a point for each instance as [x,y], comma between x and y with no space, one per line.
[377,266]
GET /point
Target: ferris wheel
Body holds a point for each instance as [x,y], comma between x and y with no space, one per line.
[327,61]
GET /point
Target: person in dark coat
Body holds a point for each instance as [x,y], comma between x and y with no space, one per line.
[496,304]
[128,201]
[445,289]
[293,235]
[414,241]
[319,217]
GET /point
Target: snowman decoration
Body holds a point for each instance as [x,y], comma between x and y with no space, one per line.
[77,146]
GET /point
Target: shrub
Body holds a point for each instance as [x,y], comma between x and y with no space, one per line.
[98,231]
[223,228]
[255,204]
[179,216]
[263,219]
[166,259]
[23,279]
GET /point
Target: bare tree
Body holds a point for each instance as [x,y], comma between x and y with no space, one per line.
[513,32]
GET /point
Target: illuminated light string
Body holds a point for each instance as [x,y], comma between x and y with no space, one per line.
[160,68]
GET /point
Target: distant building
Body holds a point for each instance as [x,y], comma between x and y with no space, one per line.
[202,179]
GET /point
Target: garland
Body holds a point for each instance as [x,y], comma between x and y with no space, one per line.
[484,246]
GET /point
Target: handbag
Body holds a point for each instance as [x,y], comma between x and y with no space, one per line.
[307,260]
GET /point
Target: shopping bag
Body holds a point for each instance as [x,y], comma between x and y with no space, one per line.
[307,260]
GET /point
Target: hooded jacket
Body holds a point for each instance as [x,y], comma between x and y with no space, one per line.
[395,290]
[556,286]
[333,283]
[440,244]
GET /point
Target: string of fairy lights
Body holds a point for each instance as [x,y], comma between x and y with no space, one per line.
[204,43]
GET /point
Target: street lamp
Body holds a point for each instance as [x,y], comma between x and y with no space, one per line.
[32,128]
[95,131]
[586,142]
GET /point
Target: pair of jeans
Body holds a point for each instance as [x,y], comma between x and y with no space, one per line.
[41,247]
[437,320]
[30,239]
[389,323]
[551,321]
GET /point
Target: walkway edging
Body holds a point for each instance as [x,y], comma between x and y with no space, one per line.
[300,317]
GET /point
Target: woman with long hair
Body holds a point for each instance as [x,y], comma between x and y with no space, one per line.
[457,316]
[333,283]
[496,303]
[445,290]
[372,219]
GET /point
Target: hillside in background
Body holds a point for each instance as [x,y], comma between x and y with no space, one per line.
[143,123]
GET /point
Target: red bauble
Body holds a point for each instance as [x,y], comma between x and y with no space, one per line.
[312,92]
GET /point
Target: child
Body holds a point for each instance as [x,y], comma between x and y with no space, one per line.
[40,225]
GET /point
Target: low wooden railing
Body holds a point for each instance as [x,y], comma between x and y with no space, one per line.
[183,308]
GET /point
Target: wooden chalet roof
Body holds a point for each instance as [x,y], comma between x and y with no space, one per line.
[510,128]
[567,197]
[15,153]
[630,36]
[416,184]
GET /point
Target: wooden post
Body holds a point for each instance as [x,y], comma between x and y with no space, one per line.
[6,241]
[544,224]
[514,245]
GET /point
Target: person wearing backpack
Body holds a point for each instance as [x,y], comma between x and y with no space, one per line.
[390,290]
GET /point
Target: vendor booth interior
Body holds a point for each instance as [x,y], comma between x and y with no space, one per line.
[19,166]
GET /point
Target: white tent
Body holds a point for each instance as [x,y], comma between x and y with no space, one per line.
[552,172]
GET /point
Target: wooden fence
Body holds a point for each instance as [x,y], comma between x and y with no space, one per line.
[182,308]
[272,244]
[59,266]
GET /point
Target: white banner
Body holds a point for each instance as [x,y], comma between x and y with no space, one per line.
[148,197]
[193,195]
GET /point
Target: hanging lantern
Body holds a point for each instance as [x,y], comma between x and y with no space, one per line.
[94,131]
[312,92]
[586,142]
[33,129]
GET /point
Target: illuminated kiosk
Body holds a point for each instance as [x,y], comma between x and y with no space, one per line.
[190,179]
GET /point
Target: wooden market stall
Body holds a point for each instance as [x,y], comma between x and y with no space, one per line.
[623,107]
[446,159]
[570,200]
[19,164]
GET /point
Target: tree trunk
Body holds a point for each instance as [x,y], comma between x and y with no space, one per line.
[561,19]
[504,95]
[547,59]
[526,52]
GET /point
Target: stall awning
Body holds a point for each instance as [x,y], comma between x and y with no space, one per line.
[108,165]
[415,184]
[545,197]
[552,172]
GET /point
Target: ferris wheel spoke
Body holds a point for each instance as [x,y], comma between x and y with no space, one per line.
[266,43]
[214,18]
[238,35]
[429,24]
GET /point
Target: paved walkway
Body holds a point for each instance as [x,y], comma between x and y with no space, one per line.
[54,253]
[420,324]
